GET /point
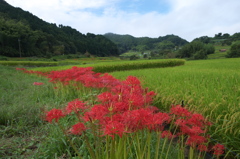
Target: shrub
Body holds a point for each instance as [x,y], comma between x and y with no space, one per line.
[196,50]
[234,50]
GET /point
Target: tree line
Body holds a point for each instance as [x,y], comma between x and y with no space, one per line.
[23,34]
[127,42]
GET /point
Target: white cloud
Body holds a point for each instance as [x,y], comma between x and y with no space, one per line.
[187,18]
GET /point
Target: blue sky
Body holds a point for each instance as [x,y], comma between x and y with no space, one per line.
[145,6]
[153,18]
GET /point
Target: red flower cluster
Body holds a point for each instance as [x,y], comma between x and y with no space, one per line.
[77,129]
[75,106]
[194,126]
[54,114]
[125,107]
[84,76]
[218,149]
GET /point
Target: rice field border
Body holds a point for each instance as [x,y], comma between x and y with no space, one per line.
[28,63]
[120,65]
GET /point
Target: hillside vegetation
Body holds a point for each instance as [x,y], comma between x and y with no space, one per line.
[23,35]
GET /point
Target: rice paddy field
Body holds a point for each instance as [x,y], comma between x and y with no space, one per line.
[208,87]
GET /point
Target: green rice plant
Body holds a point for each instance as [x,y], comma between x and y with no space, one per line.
[121,65]
[209,87]
[138,65]
[28,63]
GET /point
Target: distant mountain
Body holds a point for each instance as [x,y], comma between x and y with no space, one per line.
[128,42]
[24,34]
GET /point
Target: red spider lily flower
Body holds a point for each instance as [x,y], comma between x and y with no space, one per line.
[202,148]
[120,89]
[198,120]
[136,101]
[109,81]
[105,97]
[114,128]
[157,120]
[179,111]
[131,81]
[98,112]
[160,118]
[195,140]
[75,106]
[149,97]
[120,107]
[20,69]
[195,130]
[138,119]
[218,149]
[167,134]
[38,83]
[153,109]
[77,129]
[54,114]
[180,122]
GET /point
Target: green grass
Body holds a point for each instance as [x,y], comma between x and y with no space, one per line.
[218,54]
[209,87]
[21,109]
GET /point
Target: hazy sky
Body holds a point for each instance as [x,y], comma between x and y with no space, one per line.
[153,18]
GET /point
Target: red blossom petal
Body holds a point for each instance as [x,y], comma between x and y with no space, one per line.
[218,149]
[75,106]
[78,128]
[54,114]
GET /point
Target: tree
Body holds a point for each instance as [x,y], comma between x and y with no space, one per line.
[225,36]
[204,39]
[165,45]
[218,36]
[196,50]
[39,38]
[234,50]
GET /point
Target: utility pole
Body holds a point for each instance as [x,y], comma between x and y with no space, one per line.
[19,46]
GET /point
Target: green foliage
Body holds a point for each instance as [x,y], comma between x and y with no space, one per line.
[234,50]
[133,57]
[126,43]
[203,39]
[165,45]
[23,34]
[196,50]
[3,58]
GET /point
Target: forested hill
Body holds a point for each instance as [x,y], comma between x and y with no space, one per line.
[128,42]
[23,34]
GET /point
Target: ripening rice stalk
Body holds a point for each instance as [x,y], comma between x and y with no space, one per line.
[28,63]
[210,87]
